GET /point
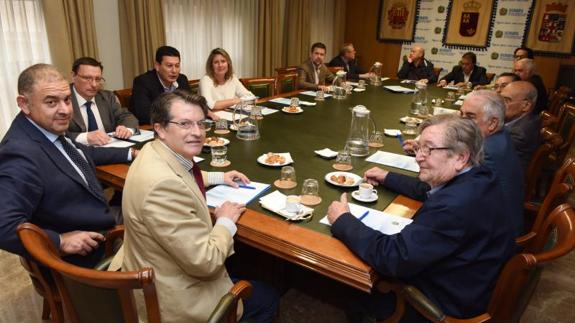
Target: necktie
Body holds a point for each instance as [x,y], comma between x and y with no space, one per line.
[92,124]
[199,179]
[84,167]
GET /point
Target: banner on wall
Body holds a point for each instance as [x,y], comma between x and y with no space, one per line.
[397,20]
[552,29]
[469,23]
[509,19]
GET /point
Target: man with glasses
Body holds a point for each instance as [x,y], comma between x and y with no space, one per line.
[459,237]
[168,224]
[523,126]
[97,112]
[503,80]
[525,69]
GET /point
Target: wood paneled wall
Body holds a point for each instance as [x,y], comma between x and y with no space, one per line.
[361,25]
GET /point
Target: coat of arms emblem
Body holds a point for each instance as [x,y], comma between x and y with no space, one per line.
[553,23]
[397,15]
[469,18]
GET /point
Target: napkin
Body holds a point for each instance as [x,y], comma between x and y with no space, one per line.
[276,202]
[326,153]
[358,90]
[392,132]
[307,103]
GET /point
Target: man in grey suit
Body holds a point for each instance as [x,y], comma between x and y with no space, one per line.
[523,126]
[96,111]
[313,74]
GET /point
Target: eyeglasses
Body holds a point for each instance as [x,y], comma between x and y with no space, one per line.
[425,151]
[187,124]
[500,86]
[91,79]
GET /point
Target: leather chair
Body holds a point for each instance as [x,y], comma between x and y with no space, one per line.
[437,71]
[262,87]
[286,83]
[124,96]
[508,299]
[91,295]
[556,100]
[194,86]
[286,70]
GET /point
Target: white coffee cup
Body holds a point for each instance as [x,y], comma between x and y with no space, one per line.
[366,190]
[293,204]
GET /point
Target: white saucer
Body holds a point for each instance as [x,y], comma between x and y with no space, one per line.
[355,195]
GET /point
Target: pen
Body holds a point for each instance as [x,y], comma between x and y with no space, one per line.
[363,215]
[247,186]
[400,138]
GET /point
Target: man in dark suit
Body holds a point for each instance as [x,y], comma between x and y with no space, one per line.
[313,74]
[47,180]
[467,71]
[416,67]
[346,59]
[525,69]
[165,77]
[523,126]
[96,111]
[460,235]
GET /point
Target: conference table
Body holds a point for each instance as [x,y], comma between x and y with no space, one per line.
[309,243]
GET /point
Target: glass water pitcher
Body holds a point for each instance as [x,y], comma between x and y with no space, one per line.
[375,78]
[338,85]
[419,100]
[358,140]
[245,119]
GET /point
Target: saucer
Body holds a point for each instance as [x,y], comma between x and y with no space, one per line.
[355,195]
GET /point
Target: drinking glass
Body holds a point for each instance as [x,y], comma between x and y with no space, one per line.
[219,155]
[310,187]
[319,95]
[361,84]
[348,88]
[343,160]
[294,102]
[288,174]
[257,112]
[410,126]
[221,126]
[376,139]
[209,124]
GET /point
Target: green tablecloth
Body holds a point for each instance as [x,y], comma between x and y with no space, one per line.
[325,125]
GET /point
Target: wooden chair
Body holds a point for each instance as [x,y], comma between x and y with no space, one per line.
[91,295]
[437,71]
[286,70]
[557,98]
[553,121]
[566,129]
[194,86]
[508,297]
[286,83]
[490,77]
[46,288]
[124,96]
[262,87]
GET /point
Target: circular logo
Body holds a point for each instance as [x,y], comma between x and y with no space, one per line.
[503,11]
[441,9]
[494,55]
[434,50]
[437,30]
[498,34]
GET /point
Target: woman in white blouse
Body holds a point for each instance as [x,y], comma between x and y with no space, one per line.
[220,86]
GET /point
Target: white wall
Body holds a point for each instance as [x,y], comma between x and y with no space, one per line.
[108,36]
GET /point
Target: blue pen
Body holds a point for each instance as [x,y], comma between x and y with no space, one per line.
[363,215]
[247,186]
[400,138]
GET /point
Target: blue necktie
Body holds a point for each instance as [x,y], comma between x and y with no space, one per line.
[92,124]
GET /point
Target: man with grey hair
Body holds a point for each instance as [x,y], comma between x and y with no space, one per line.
[460,229]
[523,126]
[416,67]
[525,69]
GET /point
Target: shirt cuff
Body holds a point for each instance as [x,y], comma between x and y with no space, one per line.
[82,138]
[215,178]
[130,154]
[228,224]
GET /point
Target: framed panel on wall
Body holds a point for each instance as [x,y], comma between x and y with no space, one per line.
[397,20]
[552,29]
[469,23]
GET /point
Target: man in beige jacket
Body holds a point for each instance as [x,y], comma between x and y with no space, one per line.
[168,225]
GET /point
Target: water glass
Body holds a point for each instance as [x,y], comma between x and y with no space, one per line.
[219,155]
[410,126]
[208,124]
[343,158]
[257,112]
[310,187]
[294,102]
[376,139]
[319,95]
[348,88]
[221,126]
[361,84]
[288,174]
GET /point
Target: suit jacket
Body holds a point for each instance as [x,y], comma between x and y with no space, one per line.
[455,247]
[478,76]
[411,72]
[111,113]
[145,89]
[525,135]
[541,103]
[353,70]
[40,186]
[306,78]
[169,228]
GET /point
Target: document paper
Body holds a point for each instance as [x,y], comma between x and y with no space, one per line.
[394,160]
[383,222]
[221,193]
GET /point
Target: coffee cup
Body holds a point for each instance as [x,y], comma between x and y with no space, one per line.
[366,191]
[293,204]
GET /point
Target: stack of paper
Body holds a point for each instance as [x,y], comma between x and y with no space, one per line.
[276,202]
[229,115]
[383,222]
[267,111]
[284,101]
[244,194]
[144,135]
[399,89]
[314,93]
[117,143]
[394,160]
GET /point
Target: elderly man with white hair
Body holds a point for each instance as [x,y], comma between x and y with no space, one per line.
[525,69]
[416,67]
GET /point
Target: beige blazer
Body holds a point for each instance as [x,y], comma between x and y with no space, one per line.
[168,227]
[306,76]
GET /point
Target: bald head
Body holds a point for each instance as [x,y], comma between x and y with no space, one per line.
[520,98]
[417,53]
[524,68]
[36,74]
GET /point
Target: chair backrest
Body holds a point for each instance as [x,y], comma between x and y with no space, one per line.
[566,129]
[286,83]
[490,76]
[90,295]
[437,71]
[557,98]
[124,96]
[194,86]
[45,287]
[262,87]
[534,174]
[508,296]
[286,70]
[335,69]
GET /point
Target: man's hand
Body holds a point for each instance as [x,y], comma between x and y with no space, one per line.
[213,116]
[79,242]
[461,84]
[409,146]
[232,177]
[337,208]
[442,83]
[97,138]
[324,88]
[230,210]
[122,132]
[375,176]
